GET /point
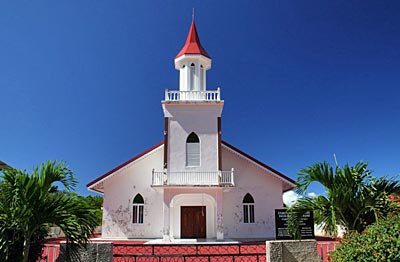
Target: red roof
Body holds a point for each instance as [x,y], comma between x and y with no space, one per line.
[193,45]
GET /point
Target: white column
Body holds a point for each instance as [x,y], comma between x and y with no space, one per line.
[182,78]
[197,86]
[220,218]
[186,79]
[166,215]
[204,80]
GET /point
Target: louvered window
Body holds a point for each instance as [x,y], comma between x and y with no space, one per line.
[138,208]
[248,209]
[192,150]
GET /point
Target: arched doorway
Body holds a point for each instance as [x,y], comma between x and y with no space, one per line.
[193,216]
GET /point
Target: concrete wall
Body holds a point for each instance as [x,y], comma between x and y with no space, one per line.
[120,190]
[276,251]
[266,191]
[94,252]
[292,251]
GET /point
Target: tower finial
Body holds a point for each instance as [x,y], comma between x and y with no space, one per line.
[193,14]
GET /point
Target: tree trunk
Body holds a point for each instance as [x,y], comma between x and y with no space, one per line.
[27,245]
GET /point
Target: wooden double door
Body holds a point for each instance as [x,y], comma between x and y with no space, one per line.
[193,222]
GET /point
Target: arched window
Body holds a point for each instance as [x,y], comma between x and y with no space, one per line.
[248,209]
[138,207]
[192,150]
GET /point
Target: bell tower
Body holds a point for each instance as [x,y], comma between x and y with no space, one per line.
[192,62]
[192,135]
[192,147]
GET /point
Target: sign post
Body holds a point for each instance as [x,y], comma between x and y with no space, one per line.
[281,225]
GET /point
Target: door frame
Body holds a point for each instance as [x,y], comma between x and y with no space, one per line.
[196,211]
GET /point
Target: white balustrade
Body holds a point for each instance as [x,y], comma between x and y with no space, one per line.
[193,178]
[157,178]
[227,178]
[173,95]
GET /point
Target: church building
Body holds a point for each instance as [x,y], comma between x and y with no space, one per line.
[193,184]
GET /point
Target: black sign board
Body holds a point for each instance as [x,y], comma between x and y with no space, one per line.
[281,225]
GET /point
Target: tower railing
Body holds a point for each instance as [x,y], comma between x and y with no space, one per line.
[193,178]
[174,95]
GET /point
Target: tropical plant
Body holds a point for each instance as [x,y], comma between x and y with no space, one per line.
[95,203]
[354,198]
[378,242]
[29,203]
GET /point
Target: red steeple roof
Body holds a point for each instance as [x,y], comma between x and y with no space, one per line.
[192,45]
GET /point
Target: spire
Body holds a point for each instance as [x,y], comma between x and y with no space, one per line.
[193,45]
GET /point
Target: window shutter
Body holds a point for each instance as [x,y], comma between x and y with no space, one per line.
[251,213]
[245,214]
[193,154]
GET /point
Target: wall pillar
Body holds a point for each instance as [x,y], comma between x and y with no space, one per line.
[219,215]
[166,215]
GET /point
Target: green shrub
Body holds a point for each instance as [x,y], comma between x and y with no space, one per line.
[379,242]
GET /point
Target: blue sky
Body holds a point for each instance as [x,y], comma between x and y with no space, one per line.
[82,81]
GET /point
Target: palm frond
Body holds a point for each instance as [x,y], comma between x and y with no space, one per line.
[354,197]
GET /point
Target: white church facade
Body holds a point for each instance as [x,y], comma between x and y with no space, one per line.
[193,184]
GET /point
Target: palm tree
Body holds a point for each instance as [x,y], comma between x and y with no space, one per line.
[29,203]
[354,198]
